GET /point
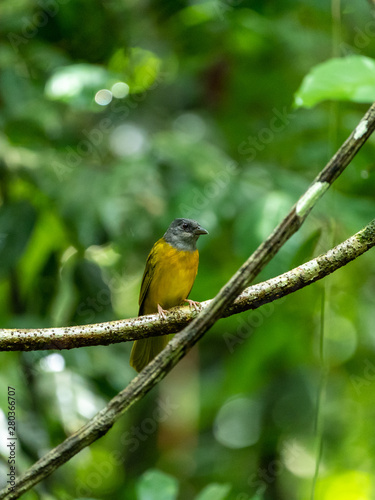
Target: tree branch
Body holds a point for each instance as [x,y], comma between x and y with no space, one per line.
[184,340]
[178,317]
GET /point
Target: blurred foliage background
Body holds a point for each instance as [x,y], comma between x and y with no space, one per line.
[117,117]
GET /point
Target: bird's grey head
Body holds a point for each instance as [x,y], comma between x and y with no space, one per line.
[183,234]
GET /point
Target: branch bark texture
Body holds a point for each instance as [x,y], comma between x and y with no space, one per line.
[177,318]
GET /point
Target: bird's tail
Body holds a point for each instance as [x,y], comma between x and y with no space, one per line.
[145,350]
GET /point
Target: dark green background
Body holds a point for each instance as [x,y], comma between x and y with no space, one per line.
[208,131]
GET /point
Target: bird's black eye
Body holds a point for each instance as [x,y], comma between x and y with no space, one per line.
[185,225]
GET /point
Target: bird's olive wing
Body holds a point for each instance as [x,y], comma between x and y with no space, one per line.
[148,275]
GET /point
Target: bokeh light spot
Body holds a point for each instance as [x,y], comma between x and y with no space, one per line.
[120,90]
[191,125]
[103,97]
[237,424]
[127,140]
[53,363]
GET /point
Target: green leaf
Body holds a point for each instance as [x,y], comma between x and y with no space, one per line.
[156,485]
[214,491]
[347,79]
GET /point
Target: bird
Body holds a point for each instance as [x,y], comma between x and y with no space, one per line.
[168,278]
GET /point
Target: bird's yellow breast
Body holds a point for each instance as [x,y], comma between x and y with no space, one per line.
[172,276]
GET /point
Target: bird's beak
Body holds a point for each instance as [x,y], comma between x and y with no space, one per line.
[200,230]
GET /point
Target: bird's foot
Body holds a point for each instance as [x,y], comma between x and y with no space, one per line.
[161,312]
[193,303]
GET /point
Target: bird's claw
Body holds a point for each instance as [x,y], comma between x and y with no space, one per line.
[161,312]
[193,303]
